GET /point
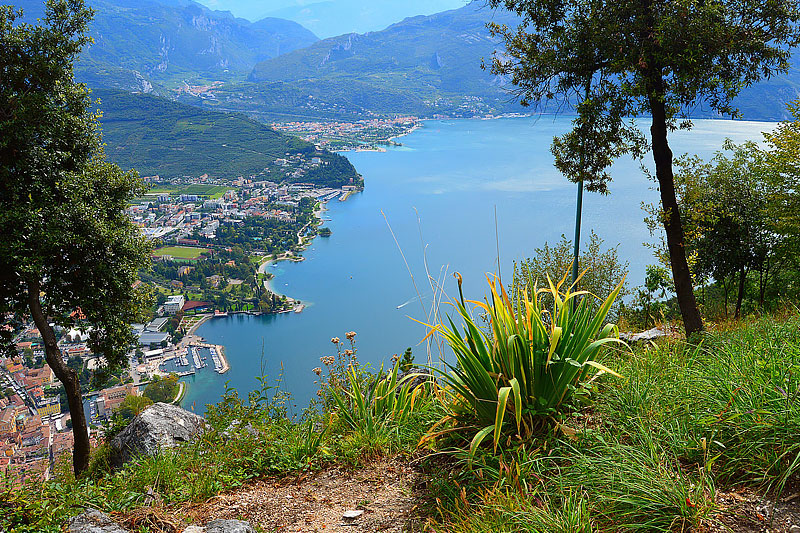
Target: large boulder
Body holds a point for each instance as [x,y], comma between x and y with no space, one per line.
[159,426]
[93,521]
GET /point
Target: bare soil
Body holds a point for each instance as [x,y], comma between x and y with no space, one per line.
[383,490]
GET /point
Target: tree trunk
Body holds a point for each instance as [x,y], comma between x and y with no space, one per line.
[740,296]
[662,156]
[724,296]
[67,376]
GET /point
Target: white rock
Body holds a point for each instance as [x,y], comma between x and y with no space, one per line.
[352,515]
[195,529]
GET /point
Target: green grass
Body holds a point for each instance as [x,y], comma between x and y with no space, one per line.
[206,191]
[180,252]
[648,452]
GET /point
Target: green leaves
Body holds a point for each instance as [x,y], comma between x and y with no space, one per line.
[370,408]
[529,363]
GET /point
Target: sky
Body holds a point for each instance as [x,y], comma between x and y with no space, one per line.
[327,18]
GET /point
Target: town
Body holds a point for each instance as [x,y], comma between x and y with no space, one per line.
[211,239]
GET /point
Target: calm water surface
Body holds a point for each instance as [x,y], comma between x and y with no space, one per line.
[439,193]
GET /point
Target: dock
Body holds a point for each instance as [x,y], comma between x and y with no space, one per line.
[217,356]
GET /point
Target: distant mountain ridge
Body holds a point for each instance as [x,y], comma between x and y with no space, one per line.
[423,65]
[140,44]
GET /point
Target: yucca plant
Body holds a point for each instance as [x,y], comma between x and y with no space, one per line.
[530,360]
[370,409]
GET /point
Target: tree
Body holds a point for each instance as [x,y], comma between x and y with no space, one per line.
[604,270]
[624,58]
[162,389]
[731,227]
[132,406]
[69,254]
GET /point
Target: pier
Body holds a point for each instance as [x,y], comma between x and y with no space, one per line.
[217,356]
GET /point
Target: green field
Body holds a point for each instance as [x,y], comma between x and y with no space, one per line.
[208,191]
[181,252]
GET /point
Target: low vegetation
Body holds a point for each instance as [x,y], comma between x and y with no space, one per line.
[651,448]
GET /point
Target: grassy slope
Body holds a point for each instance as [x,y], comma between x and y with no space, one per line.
[651,452]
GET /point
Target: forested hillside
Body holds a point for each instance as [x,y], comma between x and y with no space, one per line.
[159,136]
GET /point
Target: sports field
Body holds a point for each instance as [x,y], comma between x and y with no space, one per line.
[206,191]
[181,252]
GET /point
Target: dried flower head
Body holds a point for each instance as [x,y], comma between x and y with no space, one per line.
[348,352]
[317,371]
[350,335]
[395,358]
[335,340]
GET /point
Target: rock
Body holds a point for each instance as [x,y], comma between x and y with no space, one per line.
[236,428]
[93,521]
[794,529]
[414,377]
[352,515]
[229,526]
[159,426]
[195,529]
[649,335]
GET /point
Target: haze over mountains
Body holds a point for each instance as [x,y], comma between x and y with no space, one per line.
[329,18]
[276,69]
[141,44]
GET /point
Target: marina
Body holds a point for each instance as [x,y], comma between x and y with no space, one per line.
[192,358]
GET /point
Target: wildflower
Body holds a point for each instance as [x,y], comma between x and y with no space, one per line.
[335,340]
[348,352]
[350,335]
[395,358]
[317,371]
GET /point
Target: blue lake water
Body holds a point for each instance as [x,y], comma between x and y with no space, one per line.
[439,192]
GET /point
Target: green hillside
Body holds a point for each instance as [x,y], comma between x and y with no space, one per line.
[170,139]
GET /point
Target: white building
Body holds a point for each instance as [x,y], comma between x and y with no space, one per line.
[174,304]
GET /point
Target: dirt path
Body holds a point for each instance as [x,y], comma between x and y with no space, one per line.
[316,502]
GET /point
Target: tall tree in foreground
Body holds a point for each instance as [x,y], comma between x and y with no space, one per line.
[68,254]
[660,58]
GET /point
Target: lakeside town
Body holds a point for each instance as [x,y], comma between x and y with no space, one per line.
[368,134]
[212,240]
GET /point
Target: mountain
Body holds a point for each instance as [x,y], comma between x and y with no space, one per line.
[159,136]
[328,18]
[427,65]
[335,17]
[141,42]
[423,65]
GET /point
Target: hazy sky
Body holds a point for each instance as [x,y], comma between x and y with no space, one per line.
[334,17]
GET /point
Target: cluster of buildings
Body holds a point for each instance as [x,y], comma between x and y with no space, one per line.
[350,135]
[34,433]
[179,218]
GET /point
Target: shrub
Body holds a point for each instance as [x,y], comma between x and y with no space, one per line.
[530,363]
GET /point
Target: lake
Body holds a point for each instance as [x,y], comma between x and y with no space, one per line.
[453,194]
